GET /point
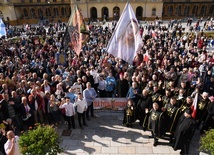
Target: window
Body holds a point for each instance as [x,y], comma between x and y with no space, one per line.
[178,10]
[56,12]
[32,12]
[153,12]
[170,9]
[195,10]
[25,12]
[63,11]
[203,10]
[211,11]
[48,12]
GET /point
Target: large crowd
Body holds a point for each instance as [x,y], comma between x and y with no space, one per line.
[170,69]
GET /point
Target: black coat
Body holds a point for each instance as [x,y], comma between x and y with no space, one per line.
[122,88]
[184,131]
[156,122]
[209,121]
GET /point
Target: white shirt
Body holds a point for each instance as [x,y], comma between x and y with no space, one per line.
[81,105]
[102,85]
[95,75]
[47,88]
[69,109]
[36,105]
[8,144]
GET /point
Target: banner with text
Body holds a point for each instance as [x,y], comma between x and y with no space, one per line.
[110,103]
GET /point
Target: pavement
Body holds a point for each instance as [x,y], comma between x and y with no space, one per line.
[105,135]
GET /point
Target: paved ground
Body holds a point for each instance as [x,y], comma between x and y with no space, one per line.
[106,136]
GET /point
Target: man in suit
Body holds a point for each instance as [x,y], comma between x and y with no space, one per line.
[89,94]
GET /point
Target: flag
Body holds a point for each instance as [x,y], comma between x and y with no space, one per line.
[154,34]
[76,31]
[126,41]
[2,28]
[194,106]
[146,57]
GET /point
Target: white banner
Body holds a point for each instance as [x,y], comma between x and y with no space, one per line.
[126,40]
[2,28]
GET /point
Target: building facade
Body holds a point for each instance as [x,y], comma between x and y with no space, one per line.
[181,9]
[36,11]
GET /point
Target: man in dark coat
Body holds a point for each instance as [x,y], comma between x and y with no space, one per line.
[122,87]
[209,121]
[171,111]
[145,102]
[184,132]
[156,123]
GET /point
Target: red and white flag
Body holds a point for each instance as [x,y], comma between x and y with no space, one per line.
[194,106]
[146,57]
[126,40]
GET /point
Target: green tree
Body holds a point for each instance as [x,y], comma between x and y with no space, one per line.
[42,140]
[207,142]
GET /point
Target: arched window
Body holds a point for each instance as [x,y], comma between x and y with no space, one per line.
[63,11]
[195,10]
[153,12]
[211,11]
[48,12]
[139,12]
[163,11]
[203,10]
[40,13]
[170,9]
[56,12]
[116,13]
[32,12]
[93,12]
[25,13]
[105,14]
[178,10]
[186,11]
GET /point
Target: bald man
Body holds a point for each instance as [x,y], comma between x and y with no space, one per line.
[11,146]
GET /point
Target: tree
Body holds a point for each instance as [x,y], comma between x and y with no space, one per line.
[207,142]
[41,140]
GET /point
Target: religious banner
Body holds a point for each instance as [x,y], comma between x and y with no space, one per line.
[61,59]
[76,32]
[110,103]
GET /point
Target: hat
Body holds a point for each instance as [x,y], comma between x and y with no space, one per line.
[188,111]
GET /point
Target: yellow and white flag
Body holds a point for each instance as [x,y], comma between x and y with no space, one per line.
[126,40]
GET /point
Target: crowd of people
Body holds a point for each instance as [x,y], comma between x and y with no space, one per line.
[167,73]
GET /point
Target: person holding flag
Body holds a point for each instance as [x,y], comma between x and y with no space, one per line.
[126,40]
[199,107]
